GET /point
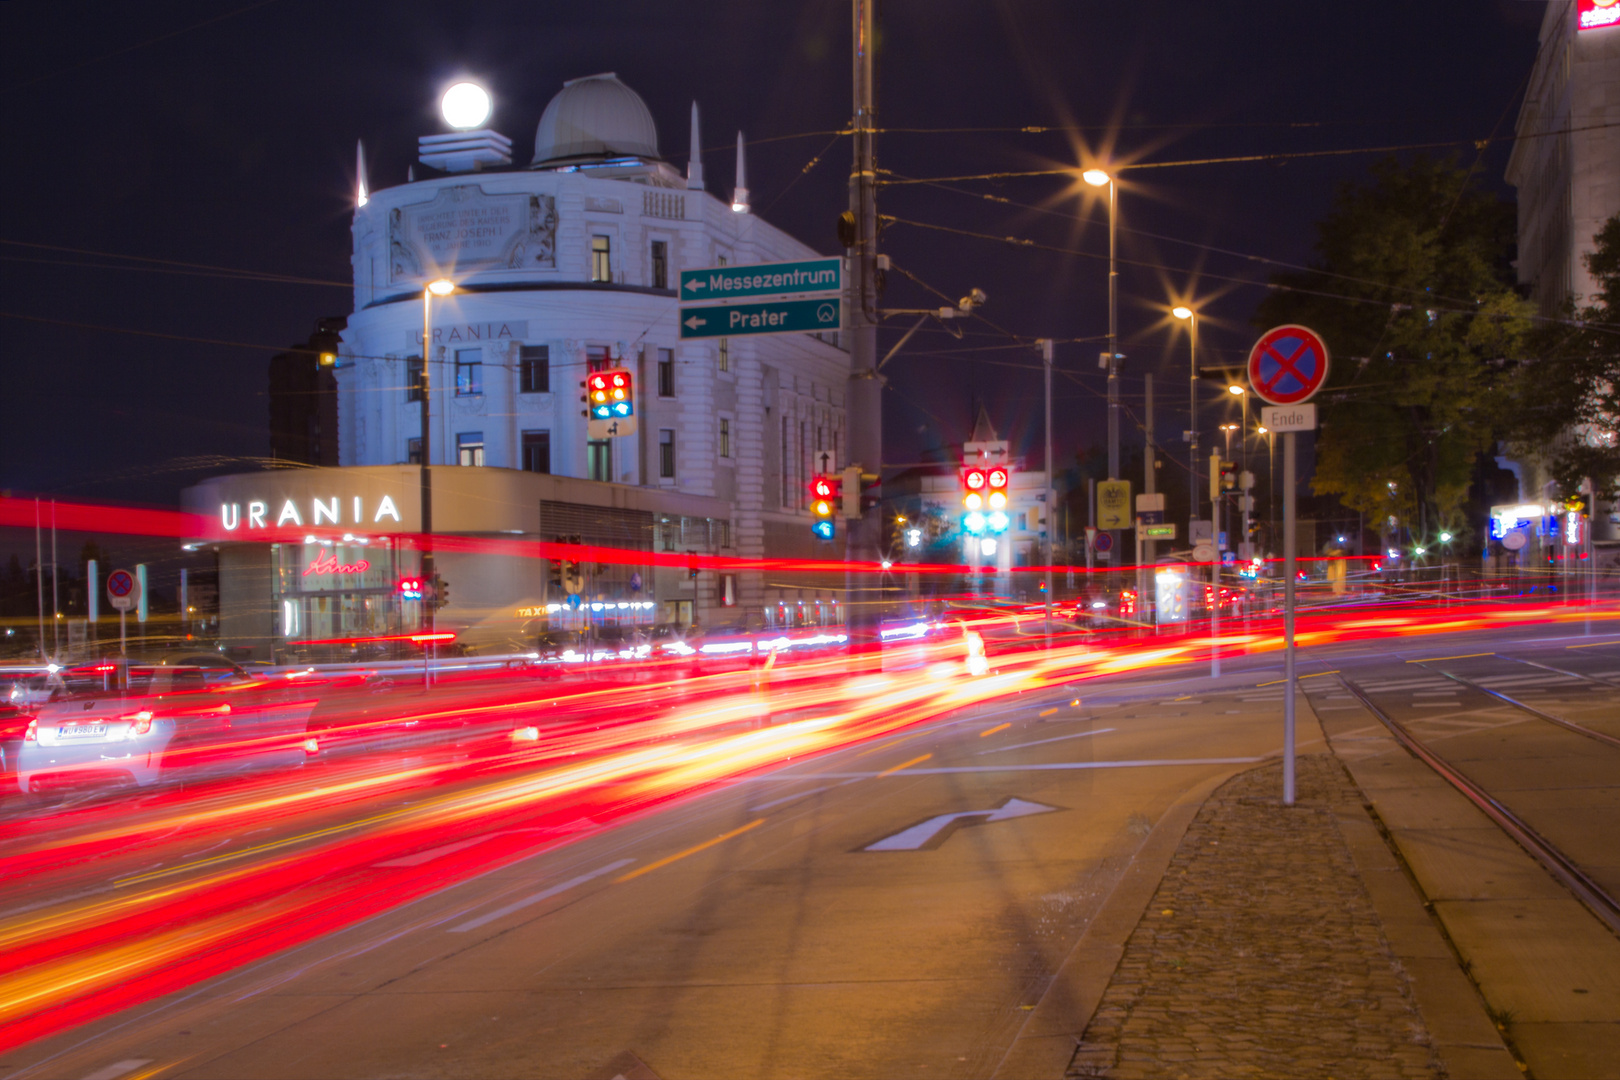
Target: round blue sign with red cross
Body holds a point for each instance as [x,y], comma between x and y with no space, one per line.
[1288,364]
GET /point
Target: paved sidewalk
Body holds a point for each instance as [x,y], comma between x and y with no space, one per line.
[1261,953]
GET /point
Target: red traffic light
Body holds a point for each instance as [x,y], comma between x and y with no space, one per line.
[412,588]
[821,487]
[973,479]
[997,478]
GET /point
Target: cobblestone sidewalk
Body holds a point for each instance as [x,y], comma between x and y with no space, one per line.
[1260,954]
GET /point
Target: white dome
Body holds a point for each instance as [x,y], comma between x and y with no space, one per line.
[597,116]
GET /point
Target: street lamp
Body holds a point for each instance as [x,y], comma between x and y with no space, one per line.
[1181,311]
[1099,178]
[441,287]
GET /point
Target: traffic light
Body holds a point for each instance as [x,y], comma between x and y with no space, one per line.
[849,493]
[996,481]
[974,482]
[823,505]
[441,592]
[1222,476]
[411,588]
[610,394]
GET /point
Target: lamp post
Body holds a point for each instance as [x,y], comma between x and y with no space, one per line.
[441,287]
[1099,178]
[1187,313]
[1243,468]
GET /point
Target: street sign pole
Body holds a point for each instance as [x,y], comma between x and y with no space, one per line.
[1289,674]
[1287,366]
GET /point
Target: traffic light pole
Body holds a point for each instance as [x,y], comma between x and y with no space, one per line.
[864,401]
[429,600]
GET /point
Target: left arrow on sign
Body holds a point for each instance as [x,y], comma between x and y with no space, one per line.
[695,285]
[932,833]
[694,322]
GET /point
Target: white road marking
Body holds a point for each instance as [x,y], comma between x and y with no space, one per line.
[544,894]
[914,838]
[790,798]
[1038,742]
[434,853]
[117,1069]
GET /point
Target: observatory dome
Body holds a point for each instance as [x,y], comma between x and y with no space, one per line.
[596,116]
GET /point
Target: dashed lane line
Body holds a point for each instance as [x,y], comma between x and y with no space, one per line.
[693,850]
[544,894]
[1042,742]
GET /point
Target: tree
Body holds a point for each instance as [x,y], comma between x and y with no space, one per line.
[1569,396]
[1413,290]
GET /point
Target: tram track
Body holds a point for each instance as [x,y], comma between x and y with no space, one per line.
[1601,901]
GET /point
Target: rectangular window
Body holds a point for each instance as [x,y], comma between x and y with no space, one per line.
[470,448]
[597,358]
[660,264]
[601,258]
[725,354]
[534,369]
[666,372]
[599,459]
[725,437]
[720,531]
[537,451]
[469,372]
[413,378]
[666,453]
[413,451]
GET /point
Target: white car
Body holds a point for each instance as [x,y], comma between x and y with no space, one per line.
[179,720]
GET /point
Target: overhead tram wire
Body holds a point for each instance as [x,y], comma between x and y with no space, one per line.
[1294,155]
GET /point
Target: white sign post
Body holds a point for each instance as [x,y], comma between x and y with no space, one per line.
[1287,366]
[121,595]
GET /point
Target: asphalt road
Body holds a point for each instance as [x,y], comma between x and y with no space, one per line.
[897,908]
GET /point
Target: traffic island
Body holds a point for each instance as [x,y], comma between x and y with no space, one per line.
[1262,952]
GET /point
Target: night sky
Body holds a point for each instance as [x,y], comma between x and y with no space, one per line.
[132,130]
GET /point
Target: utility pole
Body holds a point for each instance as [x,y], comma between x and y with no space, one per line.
[865,401]
[1051,518]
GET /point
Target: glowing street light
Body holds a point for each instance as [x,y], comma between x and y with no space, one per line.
[1099,178]
[1235,390]
[465,106]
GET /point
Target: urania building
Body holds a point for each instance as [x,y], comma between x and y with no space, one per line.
[549,271]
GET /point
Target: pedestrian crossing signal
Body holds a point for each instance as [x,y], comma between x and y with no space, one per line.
[610,394]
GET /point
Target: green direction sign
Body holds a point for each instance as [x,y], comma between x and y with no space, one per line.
[773,317]
[1159,532]
[763,279]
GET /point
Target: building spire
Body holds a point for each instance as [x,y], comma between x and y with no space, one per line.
[694,160]
[362,194]
[739,197]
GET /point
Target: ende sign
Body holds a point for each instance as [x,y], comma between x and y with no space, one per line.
[328,511]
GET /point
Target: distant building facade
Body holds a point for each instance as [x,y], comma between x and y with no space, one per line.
[1566,162]
[303,398]
[1566,167]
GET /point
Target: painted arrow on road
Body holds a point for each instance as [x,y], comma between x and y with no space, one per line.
[925,834]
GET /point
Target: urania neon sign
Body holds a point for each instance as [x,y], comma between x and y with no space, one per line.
[328,511]
[326,563]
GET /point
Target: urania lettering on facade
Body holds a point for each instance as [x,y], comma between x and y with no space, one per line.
[321,512]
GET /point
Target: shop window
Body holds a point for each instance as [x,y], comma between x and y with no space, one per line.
[413,451]
[666,372]
[601,258]
[666,453]
[599,459]
[725,354]
[537,451]
[413,378]
[470,448]
[725,437]
[534,369]
[660,264]
[469,372]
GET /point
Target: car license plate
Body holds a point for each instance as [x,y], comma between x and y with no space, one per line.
[80,731]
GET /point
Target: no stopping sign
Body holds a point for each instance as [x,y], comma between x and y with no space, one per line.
[1288,364]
